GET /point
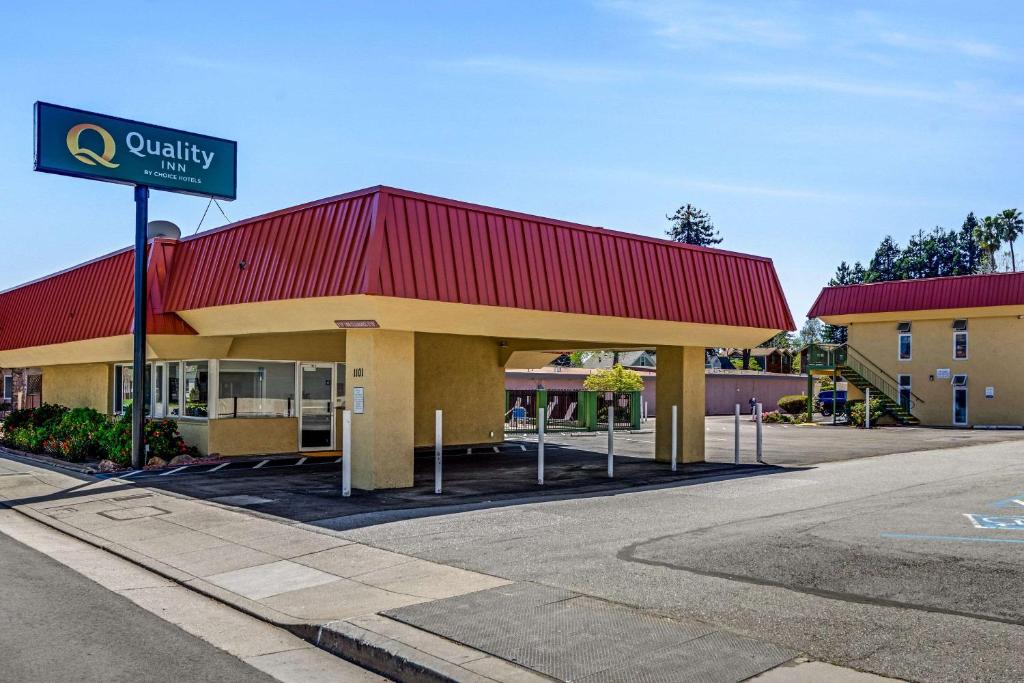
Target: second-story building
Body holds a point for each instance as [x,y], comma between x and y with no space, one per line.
[944,349]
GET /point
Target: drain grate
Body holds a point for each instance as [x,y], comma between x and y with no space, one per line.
[573,637]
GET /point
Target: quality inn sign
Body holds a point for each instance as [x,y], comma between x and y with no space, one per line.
[80,143]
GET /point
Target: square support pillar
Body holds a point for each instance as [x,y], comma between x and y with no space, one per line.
[382,363]
[680,382]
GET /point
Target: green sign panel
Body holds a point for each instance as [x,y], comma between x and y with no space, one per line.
[81,143]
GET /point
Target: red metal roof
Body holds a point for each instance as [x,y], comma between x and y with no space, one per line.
[390,242]
[89,301]
[963,291]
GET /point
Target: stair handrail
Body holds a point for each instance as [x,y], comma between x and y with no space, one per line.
[881,378]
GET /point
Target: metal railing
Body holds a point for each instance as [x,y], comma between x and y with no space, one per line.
[880,379]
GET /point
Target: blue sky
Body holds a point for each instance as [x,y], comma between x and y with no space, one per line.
[807,130]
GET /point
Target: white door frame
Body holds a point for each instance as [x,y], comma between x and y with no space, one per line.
[331,410]
[967,417]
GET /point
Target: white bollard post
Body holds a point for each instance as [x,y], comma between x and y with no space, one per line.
[867,407]
[540,446]
[437,451]
[645,412]
[736,438]
[346,453]
[611,439]
[675,436]
[760,439]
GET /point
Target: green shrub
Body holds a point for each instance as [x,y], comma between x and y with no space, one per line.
[855,411]
[793,404]
[776,416]
[77,436]
[161,436]
[34,417]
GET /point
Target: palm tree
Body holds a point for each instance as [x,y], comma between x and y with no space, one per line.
[987,235]
[1011,225]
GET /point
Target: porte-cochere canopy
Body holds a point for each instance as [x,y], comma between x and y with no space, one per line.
[387,242]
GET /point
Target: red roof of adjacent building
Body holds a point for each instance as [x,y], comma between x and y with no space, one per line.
[389,242]
[962,291]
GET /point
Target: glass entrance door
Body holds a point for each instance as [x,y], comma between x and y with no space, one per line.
[316,413]
[960,406]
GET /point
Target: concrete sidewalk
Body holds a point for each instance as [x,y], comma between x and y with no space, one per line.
[315,582]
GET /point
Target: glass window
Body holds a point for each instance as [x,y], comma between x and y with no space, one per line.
[256,389]
[157,393]
[340,387]
[8,387]
[905,392]
[196,389]
[904,347]
[124,390]
[174,389]
[960,345]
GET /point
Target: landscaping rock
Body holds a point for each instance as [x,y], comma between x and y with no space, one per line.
[183,460]
[155,462]
[108,466]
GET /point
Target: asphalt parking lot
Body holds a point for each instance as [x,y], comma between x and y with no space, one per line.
[795,445]
[895,550]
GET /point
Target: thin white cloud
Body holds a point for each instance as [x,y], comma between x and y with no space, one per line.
[543,70]
[700,24]
[966,94]
[968,48]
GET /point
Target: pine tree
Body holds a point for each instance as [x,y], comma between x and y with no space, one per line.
[969,253]
[690,225]
[884,265]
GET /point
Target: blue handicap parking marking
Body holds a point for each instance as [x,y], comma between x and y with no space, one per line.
[1015,523]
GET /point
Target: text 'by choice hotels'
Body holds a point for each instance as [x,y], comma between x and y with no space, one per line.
[108,148]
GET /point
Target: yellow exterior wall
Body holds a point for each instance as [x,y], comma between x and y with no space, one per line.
[680,382]
[303,346]
[195,433]
[78,386]
[990,362]
[382,362]
[253,436]
[461,376]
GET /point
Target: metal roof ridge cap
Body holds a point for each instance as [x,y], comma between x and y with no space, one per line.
[373,189]
[564,223]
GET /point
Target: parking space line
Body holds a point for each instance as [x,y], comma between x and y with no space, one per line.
[177,469]
[301,460]
[262,463]
[217,467]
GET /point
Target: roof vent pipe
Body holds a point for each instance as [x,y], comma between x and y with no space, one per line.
[165,229]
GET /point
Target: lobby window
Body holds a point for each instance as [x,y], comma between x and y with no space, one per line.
[255,389]
[905,346]
[124,389]
[196,388]
[960,340]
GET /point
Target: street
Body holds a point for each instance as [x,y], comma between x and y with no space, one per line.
[60,626]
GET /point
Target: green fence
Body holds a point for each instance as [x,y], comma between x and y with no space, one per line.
[570,410]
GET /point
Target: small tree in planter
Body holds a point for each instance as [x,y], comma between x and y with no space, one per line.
[616,378]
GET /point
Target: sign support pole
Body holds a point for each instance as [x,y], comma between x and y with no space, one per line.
[139,355]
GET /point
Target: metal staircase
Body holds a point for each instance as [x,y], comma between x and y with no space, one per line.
[856,369]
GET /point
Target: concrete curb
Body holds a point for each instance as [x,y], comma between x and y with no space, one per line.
[382,655]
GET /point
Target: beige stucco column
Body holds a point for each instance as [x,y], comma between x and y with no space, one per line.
[382,363]
[680,382]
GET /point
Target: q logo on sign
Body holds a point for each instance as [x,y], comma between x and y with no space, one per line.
[88,156]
